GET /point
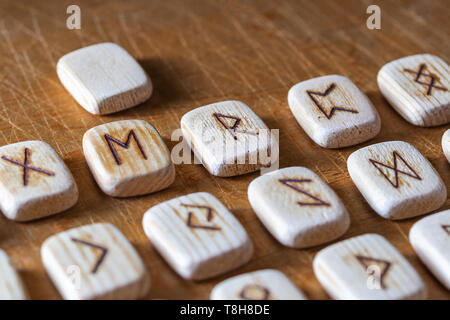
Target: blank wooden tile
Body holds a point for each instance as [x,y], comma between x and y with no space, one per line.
[128,158]
[430,238]
[34,181]
[446,144]
[397,181]
[11,286]
[197,235]
[94,262]
[333,111]
[298,207]
[417,87]
[228,138]
[367,267]
[104,78]
[258,285]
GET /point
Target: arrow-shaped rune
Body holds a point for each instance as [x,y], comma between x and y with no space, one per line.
[190,223]
[446,228]
[95,246]
[366,262]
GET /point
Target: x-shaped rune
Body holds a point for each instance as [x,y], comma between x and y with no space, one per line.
[420,74]
[27,167]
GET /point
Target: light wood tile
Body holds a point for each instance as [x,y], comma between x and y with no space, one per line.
[446,144]
[298,207]
[197,236]
[11,286]
[396,180]
[94,262]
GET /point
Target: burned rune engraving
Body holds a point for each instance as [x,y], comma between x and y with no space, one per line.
[209,216]
[95,246]
[446,228]
[384,265]
[430,84]
[291,184]
[27,167]
[233,129]
[396,155]
[333,110]
[125,145]
[254,292]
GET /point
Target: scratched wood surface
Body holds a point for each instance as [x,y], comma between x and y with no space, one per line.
[199,52]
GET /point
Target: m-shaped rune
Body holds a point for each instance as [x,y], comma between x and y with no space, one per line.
[100,259]
[233,129]
[110,140]
[397,171]
[333,110]
[27,167]
[209,216]
[430,84]
[292,183]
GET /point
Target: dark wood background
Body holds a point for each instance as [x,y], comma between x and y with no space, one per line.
[199,52]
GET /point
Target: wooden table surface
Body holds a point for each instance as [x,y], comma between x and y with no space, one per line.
[199,52]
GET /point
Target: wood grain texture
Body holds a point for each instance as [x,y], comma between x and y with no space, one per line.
[94,261]
[200,52]
[418,87]
[396,180]
[258,285]
[104,78]
[34,181]
[198,236]
[298,208]
[333,111]
[430,238]
[128,158]
[446,144]
[367,267]
[11,286]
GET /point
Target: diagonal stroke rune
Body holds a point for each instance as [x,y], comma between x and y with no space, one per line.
[263,291]
[234,128]
[95,246]
[27,167]
[366,262]
[446,228]
[110,140]
[209,217]
[333,110]
[291,184]
[396,155]
[419,74]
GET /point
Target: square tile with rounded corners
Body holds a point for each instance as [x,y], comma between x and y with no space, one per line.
[197,236]
[128,158]
[430,238]
[34,181]
[417,87]
[396,180]
[94,262]
[228,138]
[11,286]
[333,111]
[298,208]
[446,144]
[104,78]
[265,284]
[367,267]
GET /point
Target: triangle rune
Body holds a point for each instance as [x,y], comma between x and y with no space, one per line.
[191,223]
[379,165]
[446,228]
[333,110]
[292,183]
[95,246]
[231,123]
[384,266]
